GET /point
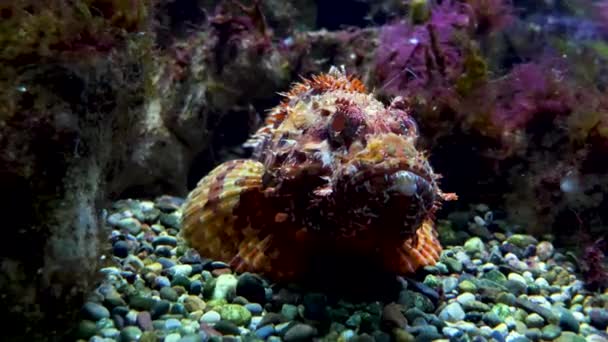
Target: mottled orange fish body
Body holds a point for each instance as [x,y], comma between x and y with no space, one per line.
[332,169]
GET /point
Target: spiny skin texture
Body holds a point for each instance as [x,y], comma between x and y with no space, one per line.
[333,172]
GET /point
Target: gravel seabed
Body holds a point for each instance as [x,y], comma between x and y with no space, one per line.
[493,283]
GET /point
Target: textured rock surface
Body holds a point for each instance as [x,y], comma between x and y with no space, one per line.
[82,122]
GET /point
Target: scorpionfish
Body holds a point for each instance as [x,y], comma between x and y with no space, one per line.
[332,169]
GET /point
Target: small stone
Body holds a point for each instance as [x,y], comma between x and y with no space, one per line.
[254,308]
[534,320]
[171,220]
[211,317]
[502,329]
[168,203]
[227,328]
[474,246]
[86,329]
[160,282]
[476,305]
[495,276]
[180,270]
[165,240]
[180,280]
[516,277]
[599,318]
[236,314]
[225,287]
[174,337]
[168,293]
[349,334]
[163,251]
[431,281]
[144,321]
[289,311]
[452,333]
[392,315]
[567,321]
[467,286]
[522,240]
[465,298]
[449,284]
[109,333]
[315,306]
[544,250]
[196,287]
[131,224]
[551,332]
[516,287]
[300,332]
[265,331]
[191,337]
[194,303]
[120,249]
[401,335]
[454,265]
[568,336]
[453,312]
[95,311]
[410,299]
[160,308]
[130,333]
[172,324]
[251,287]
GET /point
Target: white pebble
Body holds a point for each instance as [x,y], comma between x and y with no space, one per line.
[466,297]
[255,321]
[517,278]
[542,283]
[131,317]
[211,317]
[174,337]
[580,317]
[479,221]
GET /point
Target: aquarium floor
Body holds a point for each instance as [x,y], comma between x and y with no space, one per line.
[490,285]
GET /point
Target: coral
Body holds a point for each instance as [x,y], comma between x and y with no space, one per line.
[491,15]
[593,264]
[333,172]
[410,58]
[31,28]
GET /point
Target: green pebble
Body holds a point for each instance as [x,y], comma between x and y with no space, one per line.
[495,276]
[431,281]
[568,336]
[474,246]
[454,265]
[551,332]
[168,293]
[476,305]
[130,333]
[411,299]
[148,336]
[86,329]
[141,303]
[132,225]
[522,240]
[180,280]
[501,310]
[467,286]
[235,313]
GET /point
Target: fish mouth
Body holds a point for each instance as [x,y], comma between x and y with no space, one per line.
[409,183]
[416,191]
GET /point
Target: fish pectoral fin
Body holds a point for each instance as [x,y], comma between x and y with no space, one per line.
[416,252]
[211,223]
